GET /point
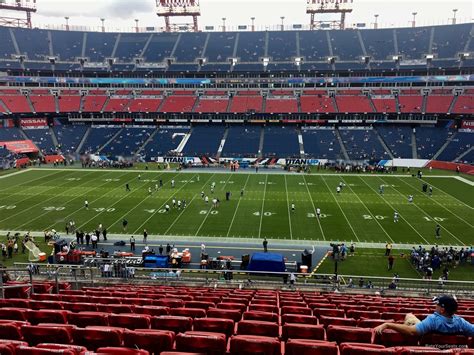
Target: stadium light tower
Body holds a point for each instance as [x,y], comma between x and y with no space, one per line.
[454,16]
[178,8]
[328,7]
[103,24]
[67,22]
[376,25]
[282,23]
[253,24]
[18,6]
[223,24]
[413,24]
[136,25]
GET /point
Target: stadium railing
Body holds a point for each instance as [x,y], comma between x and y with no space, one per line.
[79,276]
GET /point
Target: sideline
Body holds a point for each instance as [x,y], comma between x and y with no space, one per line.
[464,180]
[15,173]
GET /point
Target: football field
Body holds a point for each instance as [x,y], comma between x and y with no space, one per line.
[40,199]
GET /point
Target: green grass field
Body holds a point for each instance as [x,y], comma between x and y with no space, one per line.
[36,200]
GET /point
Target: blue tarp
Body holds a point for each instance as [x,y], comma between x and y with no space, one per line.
[155,261]
[267,262]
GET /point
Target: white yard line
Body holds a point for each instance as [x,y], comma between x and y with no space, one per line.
[12,174]
[368,210]
[446,193]
[145,199]
[337,202]
[37,204]
[22,191]
[427,215]
[288,204]
[263,204]
[98,214]
[210,209]
[187,207]
[447,209]
[91,202]
[314,207]
[237,207]
[394,209]
[80,196]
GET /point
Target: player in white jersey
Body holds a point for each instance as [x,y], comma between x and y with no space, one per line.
[206,199]
[395,217]
[214,202]
[292,207]
[202,194]
[338,189]
[86,204]
[179,204]
[318,212]
[174,203]
[172,183]
[167,208]
[149,190]
[410,198]
[381,189]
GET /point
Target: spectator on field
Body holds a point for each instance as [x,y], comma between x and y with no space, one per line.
[443,321]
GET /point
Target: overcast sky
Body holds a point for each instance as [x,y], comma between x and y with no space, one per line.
[121,13]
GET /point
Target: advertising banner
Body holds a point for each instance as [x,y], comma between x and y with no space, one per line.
[467,124]
[20,147]
[33,122]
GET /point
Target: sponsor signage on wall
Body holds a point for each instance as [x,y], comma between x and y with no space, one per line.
[467,124]
[33,122]
[20,147]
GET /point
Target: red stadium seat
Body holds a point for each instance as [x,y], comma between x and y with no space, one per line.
[253,327]
[264,316]
[390,338]
[412,350]
[188,312]
[355,313]
[343,334]
[48,316]
[250,345]
[328,312]
[299,318]
[80,307]
[114,308]
[78,350]
[310,347]
[228,305]
[94,337]
[13,343]
[27,350]
[152,310]
[326,321]
[7,349]
[296,310]
[302,331]
[83,319]
[169,302]
[233,314]
[49,334]
[199,304]
[444,339]
[130,320]
[264,308]
[210,343]
[363,349]
[175,323]
[10,331]
[153,340]
[20,314]
[217,325]
[111,350]
[35,304]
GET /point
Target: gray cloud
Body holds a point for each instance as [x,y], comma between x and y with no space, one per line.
[126,8]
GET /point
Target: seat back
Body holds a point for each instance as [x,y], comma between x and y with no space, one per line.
[233,314]
[263,316]
[217,325]
[253,327]
[153,340]
[343,334]
[35,334]
[299,318]
[310,347]
[10,331]
[78,350]
[130,320]
[48,316]
[94,337]
[296,310]
[363,349]
[250,345]
[197,341]
[391,338]
[302,331]
[327,321]
[84,319]
[188,312]
[112,350]
[14,313]
[175,323]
